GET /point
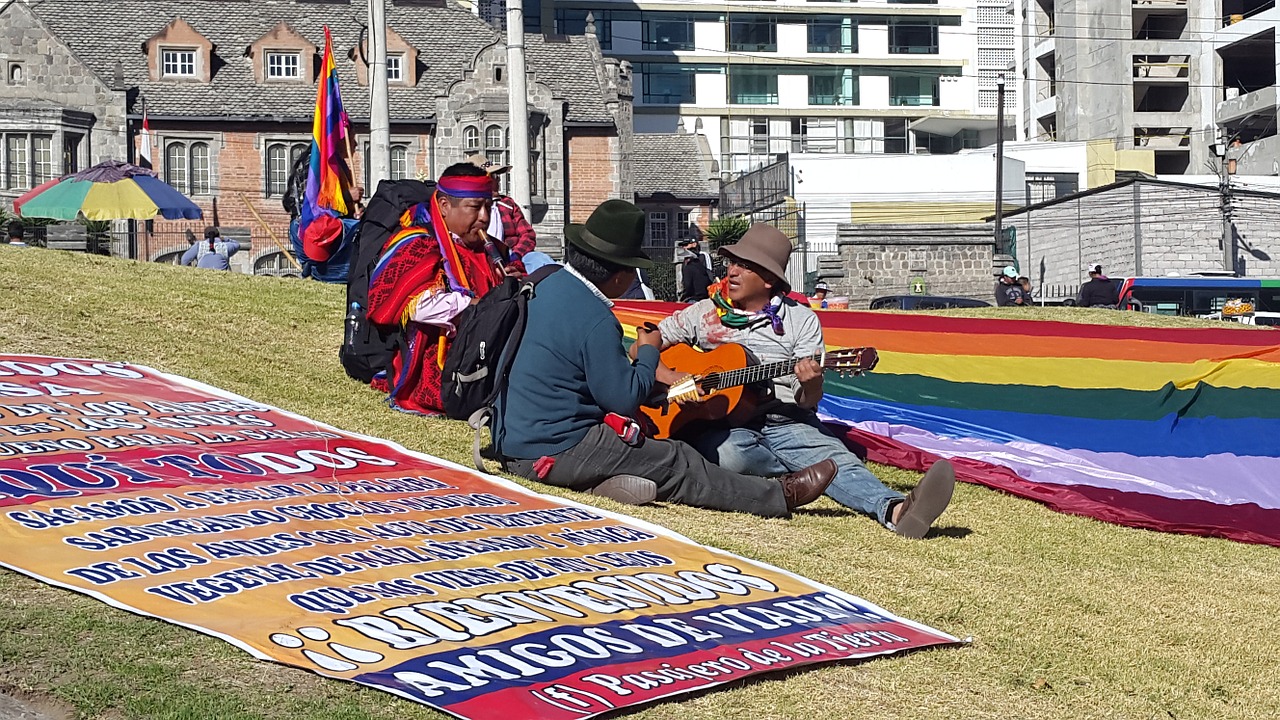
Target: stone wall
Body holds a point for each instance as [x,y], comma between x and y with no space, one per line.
[57,94]
[1144,228]
[480,99]
[876,260]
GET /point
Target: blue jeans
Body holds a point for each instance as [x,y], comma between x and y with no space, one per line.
[784,444]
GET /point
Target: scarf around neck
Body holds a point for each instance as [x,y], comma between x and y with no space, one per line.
[732,317]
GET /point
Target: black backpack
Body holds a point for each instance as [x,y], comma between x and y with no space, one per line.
[480,357]
[368,349]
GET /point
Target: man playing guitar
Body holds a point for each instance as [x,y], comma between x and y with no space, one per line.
[750,307]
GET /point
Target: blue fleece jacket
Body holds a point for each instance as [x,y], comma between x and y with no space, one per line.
[570,371]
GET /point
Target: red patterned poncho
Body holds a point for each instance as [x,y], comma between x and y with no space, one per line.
[414,261]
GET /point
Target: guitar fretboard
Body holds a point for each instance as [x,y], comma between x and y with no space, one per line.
[753,373]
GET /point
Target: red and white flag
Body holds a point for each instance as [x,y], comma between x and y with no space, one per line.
[144,146]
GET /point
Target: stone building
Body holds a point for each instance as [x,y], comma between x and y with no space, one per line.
[1145,227]
[873,260]
[676,182]
[228,87]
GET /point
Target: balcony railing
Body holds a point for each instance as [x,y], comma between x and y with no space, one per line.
[1154,4]
[1162,140]
[1162,67]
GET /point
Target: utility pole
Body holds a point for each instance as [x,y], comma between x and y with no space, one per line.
[1000,162]
[1224,190]
[379,110]
[518,102]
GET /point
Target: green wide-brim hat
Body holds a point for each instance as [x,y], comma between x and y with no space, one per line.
[614,233]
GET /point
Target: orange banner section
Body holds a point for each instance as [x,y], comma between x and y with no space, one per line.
[360,560]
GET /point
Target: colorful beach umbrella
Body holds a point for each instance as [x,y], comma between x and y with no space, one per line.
[111,190]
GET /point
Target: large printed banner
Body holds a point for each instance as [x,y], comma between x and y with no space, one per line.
[357,559]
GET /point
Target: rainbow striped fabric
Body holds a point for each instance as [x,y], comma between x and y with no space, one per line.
[1167,429]
[329,180]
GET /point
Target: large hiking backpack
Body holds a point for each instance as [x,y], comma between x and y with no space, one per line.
[368,349]
[480,357]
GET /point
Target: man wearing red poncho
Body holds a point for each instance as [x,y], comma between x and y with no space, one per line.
[428,273]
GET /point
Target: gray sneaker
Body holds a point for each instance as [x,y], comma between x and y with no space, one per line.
[627,489]
[927,501]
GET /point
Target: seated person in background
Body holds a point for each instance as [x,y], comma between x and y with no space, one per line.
[14,233]
[639,288]
[1008,291]
[564,419]
[819,299]
[1099,291]
[506,220]
[1024,282]
[428,274]
[212,254]
[749,307]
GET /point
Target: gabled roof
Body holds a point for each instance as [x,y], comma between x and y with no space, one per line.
[102,32]
[674,164]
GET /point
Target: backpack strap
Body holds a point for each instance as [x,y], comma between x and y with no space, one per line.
[482,418]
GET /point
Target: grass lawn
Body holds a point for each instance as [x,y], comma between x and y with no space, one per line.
[1070,618]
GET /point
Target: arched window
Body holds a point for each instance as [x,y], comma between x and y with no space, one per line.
[188,166]
[471,138]
[175,166]
[495,151]
[277,168]
[201,174]
[399,162]
[280,159]
[493,138]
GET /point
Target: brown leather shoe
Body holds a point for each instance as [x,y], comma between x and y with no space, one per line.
[803,487]
[926,501]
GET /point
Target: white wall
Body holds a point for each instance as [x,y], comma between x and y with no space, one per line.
[793,91]
[1046,157]
[707,36]
[711,90]
[828,184]
[792,39]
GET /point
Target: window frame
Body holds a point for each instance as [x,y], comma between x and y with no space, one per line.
[744,74]
[832,23]
[293,148]
[649,30]
[399,75]
[652,221]
[190,184]
[752,23]
[898,46]
[177,64]
[283,56]
[14,180]
[404,171]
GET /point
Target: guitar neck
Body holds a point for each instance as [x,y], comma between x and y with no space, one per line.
[756,373]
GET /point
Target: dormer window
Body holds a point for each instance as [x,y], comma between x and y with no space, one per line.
[395,67]
[178,63]
[284,66]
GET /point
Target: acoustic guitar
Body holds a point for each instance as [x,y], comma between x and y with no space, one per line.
[718,376]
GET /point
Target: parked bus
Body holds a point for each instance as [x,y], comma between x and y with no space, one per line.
[1198,296]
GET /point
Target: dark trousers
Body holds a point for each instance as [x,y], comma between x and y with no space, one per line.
[682,474]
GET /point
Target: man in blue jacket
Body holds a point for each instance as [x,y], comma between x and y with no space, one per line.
[572,386]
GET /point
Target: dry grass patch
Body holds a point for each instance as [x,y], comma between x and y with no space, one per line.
[1071,618]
